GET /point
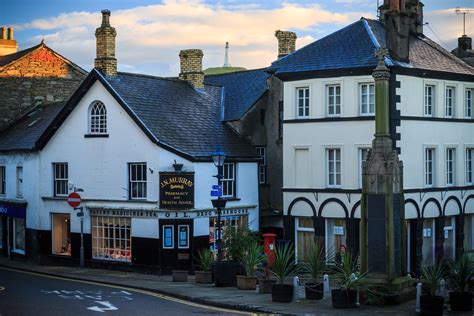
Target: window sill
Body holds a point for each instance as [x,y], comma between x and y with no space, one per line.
[96,135]
[230,199]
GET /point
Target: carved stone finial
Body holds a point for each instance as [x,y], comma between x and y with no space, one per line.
[381,53]
[381,71]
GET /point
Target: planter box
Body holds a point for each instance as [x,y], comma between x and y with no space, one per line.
[314,291]
[282,293]
[180,275]
[265,286]
[246,282]
[344,298]
[225,273]
[460,301]
[203,277]
[431,305]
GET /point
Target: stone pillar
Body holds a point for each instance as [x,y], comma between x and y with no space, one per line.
[382,217]
[105,45]
[191,67]
[286,42]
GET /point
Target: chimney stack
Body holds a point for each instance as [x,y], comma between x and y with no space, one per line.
[465,43]
[286,42]
[397,30]
[8,45]
[105,44]
[191,67]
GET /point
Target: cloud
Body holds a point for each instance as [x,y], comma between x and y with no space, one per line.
[149,37]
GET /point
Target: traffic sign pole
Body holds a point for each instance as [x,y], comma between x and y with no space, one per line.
[81,251]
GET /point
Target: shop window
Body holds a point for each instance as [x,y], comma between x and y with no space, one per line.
[19,235]
[3,180]
[468,233]
[98,118]
[61,234]
[19,181]
[302,102]
[335,235]
[227,222]
[137,180]
[183,236]
[367,98]
[61,178]
[428,247]
[168,236]
[228,180]
[262,165]
[449,238]
[304,236]
[111,238]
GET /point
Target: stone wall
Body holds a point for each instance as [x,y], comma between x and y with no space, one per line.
[40,76]
[191,67]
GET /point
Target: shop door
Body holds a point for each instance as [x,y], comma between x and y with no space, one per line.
[176,245]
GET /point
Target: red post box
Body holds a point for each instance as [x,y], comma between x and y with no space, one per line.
[269,247]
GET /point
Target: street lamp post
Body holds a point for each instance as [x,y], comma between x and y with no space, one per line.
[218,157]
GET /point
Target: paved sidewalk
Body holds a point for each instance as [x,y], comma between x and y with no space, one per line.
[208,294]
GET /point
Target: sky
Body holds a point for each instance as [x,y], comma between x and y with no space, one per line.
[150,34]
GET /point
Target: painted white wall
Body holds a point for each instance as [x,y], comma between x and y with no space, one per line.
[100,167]
[351,136]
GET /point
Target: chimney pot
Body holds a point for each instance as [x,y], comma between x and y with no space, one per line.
[3,33]
[191,67]
[286,42]
[10,33]
[465,43]
[105,46]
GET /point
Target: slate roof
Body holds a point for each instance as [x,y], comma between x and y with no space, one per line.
[25,133]
[241,90]
[179,116]
[354,45]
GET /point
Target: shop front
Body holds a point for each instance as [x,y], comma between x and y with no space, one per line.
[12,231]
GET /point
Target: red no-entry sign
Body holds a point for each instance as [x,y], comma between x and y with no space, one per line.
[74,199]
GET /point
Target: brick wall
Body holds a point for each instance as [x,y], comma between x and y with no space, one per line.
[40,76]
[191,67]
[286,42]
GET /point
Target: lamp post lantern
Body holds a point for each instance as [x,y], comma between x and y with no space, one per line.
[218,157]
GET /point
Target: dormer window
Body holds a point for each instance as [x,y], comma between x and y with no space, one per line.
[98,118]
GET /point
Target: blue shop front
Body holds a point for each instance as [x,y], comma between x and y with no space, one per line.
[12,228]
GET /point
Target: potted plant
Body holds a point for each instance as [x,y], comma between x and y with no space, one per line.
[314,265]
[234,242]
[264,281]
[349,278]
[430,303]
[461,272]
[252,259]
[283,266]
[205,259]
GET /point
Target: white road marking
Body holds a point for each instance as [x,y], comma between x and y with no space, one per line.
[108,307]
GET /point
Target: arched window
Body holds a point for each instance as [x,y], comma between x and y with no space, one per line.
[98,118]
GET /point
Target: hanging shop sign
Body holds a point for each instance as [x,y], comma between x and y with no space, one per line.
[238,211]
[176,190]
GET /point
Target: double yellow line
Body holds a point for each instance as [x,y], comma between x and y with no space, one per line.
[149,293]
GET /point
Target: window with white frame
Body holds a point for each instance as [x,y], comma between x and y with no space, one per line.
[3,180]
[98,118]
[468,103]
[363,153]
[469,169]
[367,98]
[137,180]
[227,222]
[302,102]
[450,166]
[429,99]
[61,178]
[111,238]
[333,167]
[228,179]
[262,165]
[19,181]
[304,236]
[429,167]
[450,102]
[333,100]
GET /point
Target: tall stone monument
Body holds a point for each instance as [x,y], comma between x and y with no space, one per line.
[382,232]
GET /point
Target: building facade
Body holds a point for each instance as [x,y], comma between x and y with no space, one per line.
[329,107]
